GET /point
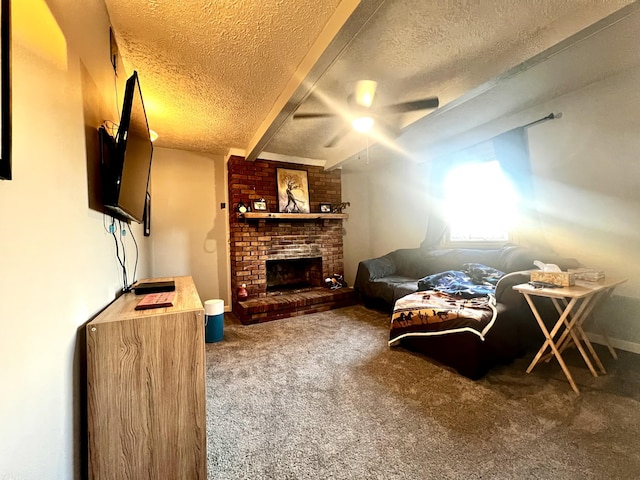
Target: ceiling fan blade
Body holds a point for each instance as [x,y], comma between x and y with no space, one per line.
[337,137]
[313,115]
[388,130]
[364,92]
[424,104]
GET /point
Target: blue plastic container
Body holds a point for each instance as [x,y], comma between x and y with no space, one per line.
[213,320]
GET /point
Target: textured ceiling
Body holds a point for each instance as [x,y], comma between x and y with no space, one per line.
[212,71]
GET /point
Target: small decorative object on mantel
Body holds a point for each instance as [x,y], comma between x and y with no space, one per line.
[242,292]
[325,208]
[339,208]
[242,208]
[260,205]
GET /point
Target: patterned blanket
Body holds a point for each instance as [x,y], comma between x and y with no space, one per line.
[432,313]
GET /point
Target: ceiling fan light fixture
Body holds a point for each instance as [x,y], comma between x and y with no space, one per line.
[365,91]
[362,124]
[362,116]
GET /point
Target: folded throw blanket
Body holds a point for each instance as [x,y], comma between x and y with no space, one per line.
[436,313]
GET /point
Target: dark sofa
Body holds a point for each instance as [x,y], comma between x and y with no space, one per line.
[381,281]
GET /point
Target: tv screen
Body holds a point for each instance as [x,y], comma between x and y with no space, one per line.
[133,151]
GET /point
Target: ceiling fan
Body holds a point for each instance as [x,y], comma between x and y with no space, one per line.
[363,115]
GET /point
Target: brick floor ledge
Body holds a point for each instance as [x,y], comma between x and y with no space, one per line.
[274,307]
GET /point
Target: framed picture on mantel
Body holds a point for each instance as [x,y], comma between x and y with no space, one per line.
[5,89]
[260,205]
[293,191]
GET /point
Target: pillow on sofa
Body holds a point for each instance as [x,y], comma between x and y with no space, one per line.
[380,267]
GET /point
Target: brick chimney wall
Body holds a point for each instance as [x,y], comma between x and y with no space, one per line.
[252,242]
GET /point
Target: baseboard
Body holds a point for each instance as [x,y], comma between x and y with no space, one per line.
[615,343]
[227,308]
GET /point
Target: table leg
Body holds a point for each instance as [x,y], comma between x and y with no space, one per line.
[576,321]
[605,337]
[612,350]
[576,324]
[589,304]
[594,355]
[549,336]
[564,340]
[586,358]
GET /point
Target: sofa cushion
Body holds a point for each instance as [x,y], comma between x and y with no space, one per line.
[384,288]
[407,261]
[419,263]
[403,289]
[515,258]
[436,261]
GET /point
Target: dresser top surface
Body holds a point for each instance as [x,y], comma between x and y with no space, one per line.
[123,308]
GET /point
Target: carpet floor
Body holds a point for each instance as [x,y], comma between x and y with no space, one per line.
[322,396]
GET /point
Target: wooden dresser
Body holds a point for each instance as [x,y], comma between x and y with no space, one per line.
[146,389]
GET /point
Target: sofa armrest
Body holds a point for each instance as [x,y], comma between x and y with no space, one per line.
[504,289]
[378,267]
[371,270]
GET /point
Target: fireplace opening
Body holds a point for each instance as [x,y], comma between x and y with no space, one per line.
[294,274]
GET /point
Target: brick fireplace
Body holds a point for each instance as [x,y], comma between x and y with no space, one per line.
[283,262]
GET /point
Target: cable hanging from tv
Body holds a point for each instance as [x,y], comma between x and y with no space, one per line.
[110,127]
[118,232]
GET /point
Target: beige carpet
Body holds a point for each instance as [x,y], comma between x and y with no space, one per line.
[322,396]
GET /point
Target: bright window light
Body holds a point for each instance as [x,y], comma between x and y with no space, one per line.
[480,203]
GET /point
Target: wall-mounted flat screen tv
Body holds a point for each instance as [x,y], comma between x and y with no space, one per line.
[127,178]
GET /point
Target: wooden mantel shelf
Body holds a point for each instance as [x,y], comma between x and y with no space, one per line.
[294,216]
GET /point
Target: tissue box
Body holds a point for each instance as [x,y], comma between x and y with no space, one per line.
[564,279]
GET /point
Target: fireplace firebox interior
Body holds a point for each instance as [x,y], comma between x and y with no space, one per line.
[294,274]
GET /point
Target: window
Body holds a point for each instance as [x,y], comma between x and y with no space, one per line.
[480,203]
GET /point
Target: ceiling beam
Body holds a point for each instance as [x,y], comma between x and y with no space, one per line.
[444,118]
[348,19]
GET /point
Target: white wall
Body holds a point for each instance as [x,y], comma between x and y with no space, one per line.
[188,226]
[398,200]
[587,178]
[389,210]
[357,228]
[58,265]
